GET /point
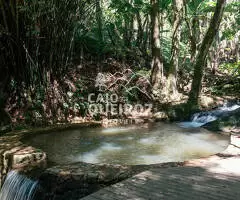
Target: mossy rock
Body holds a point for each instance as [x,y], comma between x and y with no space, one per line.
[181,112]
[227,121]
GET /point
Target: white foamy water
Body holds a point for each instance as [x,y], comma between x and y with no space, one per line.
[18,187]
[230,108]
[115,130]
[201,118]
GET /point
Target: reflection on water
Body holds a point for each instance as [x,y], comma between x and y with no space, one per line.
[147,144]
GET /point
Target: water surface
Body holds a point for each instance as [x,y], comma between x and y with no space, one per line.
[139,144]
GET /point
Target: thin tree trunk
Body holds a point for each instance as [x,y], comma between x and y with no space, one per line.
[177,18]
[128,32]
[145,39]
[140,30]
[215,61]
[193,35]
[201,57]
[157,65]
[99,20]
[237,49]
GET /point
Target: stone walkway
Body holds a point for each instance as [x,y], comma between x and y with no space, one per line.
[216,177]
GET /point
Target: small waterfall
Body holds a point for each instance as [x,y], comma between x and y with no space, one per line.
[229,108]
[209,116]
[18,187]
[201,118]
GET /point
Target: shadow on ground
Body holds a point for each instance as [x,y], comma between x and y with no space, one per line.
[177,183]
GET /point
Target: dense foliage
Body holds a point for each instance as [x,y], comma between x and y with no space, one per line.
[51,51]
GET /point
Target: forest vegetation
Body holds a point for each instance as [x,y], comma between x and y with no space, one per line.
[156,51]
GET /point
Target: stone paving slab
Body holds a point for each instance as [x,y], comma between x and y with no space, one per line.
[216,178]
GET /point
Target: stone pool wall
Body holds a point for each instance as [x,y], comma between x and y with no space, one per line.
[77,180]
[14,154]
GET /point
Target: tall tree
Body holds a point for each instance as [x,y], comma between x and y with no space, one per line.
[99,20]
[157,64]
[202,54]
[193,34]
[178,6]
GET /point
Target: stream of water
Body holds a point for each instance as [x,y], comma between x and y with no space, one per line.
[201,118]
[132,145]
[18,187]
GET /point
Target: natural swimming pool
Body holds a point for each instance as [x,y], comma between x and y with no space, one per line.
[130,145]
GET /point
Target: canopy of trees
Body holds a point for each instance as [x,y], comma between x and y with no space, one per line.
[51,51]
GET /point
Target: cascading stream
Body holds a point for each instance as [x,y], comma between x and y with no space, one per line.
[201,118]
[18,187]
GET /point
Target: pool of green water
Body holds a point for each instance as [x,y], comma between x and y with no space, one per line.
[130,145]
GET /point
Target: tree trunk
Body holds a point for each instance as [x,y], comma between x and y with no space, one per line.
[128,30]
[201,57]
[99,20]
[140,34]
[195,37]
[146,28]
[237,49]
[177,18]
[157,65]
[193,34]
